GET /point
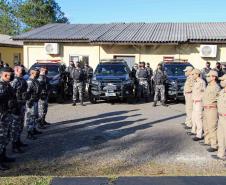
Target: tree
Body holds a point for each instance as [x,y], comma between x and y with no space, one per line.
[36,13]
[8,23]
[17,16]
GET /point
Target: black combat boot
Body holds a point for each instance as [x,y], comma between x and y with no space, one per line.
[16,148]
[154,104]
[36,132]
[7,159]
[41,124]
[74,103]
[146,99]
[3,167]
[30,135]
[45,122]
[21,144]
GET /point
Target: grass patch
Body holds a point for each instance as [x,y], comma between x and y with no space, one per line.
[25,180]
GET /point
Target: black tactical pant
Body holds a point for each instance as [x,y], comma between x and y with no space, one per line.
[143,89]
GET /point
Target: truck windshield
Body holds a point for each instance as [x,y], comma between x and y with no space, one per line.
[175,70]
[109,70]
[53,70]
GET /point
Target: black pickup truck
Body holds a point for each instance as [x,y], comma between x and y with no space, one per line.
[175,79]
[111,80]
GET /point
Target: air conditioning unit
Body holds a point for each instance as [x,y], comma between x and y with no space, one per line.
[52,48]
[208,51]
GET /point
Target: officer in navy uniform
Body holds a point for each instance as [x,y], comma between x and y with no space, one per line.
[34,92]
[43,101]
[6,105]
[20,87]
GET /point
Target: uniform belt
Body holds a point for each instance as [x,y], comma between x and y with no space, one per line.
[196,101]
[222,115]
[210,107]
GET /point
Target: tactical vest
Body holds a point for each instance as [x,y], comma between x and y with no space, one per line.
[142,73]
[159,77]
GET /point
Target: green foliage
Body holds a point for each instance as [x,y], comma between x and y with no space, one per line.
[8,23]
[36,13]
[17,16]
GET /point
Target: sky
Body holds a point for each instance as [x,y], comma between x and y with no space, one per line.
[108,11]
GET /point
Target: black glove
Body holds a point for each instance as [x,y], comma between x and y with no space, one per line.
[30,103]
[26,96]
[43,95]
[34,97]
[11,104]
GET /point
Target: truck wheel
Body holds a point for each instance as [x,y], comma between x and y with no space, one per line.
[129,100]
[92,99]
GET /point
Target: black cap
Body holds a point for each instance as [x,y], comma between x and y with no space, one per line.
[35,69]
[6,69]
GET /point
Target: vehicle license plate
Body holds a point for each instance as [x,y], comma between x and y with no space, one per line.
[110,94]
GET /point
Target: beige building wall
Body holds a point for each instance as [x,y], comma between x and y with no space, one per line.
[9,54]
[152,54]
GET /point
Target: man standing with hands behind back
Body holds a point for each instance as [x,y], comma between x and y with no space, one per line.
[221,130]
[197,112]
[210,116]
[188,96]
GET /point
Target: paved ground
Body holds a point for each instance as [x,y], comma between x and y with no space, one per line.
[115,140]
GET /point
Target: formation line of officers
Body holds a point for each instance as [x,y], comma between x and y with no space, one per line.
[21,103]
[146,81]
[149,82]
[206,109]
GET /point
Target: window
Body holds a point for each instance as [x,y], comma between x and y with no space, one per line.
[79,58]
[130,60]
[17,58]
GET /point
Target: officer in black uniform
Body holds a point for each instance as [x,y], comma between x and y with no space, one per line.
[219,70]
[133,74]
[159,79]
[69,72]
[206,71]
[7,104]
[78,84]
[142,76]
[88,76]
[150,74]
[20,87]
[34,92]
[43,101]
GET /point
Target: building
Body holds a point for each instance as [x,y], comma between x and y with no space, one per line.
[135,42]
[10,51]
